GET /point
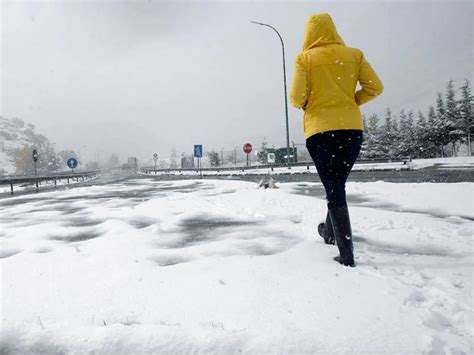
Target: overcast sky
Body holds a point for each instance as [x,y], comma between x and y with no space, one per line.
[146,76]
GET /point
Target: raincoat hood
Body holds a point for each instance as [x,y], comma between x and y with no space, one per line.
[320,30]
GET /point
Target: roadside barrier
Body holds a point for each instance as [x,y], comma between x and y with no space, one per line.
[37,180]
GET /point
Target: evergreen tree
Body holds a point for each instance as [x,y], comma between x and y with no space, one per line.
[388,136]
[419,131]
[411,139]
[432,133]
[452,118]
[262,154]
[441,128]
[373,147]
[466,113]
[424,147]
[405,139]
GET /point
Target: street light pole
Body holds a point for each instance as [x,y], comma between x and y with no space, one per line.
[286,94]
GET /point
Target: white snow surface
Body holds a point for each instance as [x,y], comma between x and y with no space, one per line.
[450,162]
[222,267]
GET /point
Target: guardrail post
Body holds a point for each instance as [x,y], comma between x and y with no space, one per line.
[68,180]
[11,188]
[307,167]
[55,184]
[37,186]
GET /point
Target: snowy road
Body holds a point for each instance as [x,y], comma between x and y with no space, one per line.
[146,266]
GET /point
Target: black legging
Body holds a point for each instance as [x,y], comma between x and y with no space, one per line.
[334,154]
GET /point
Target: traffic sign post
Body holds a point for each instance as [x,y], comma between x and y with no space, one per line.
[72,163]
[198,155]
[155,158]
[35,156]
[247,150]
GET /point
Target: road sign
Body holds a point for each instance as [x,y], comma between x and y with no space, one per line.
[247,148]
[198,150]
[271,158]
[72,163]
[35,155]
[155,156]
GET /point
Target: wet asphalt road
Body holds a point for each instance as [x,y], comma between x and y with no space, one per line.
[431,174]
[415,176]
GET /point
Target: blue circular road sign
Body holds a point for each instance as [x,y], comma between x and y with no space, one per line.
[72,163]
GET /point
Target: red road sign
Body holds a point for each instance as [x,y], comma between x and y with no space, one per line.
[247,148]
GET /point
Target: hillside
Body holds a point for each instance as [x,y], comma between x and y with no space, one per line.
[16,134]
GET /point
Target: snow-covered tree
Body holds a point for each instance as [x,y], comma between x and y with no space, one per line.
[406,144]
[262,154]
[48,159]
[422,136]
[388,136]
[432,133]
[173,159]
[214,158]
[441,127]
[466,114]
[452,118]
[372,142]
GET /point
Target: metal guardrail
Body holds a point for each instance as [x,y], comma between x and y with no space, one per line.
[25,179]
[149,170]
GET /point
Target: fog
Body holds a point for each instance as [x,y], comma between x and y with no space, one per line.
[146,76]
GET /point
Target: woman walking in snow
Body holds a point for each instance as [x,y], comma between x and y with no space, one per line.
[324,86]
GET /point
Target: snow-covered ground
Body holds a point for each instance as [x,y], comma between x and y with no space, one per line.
[220,267]
[450,163]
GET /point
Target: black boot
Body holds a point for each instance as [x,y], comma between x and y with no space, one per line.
[325,230]
[343,234]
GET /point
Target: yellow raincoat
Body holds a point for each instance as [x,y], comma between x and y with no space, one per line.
[325,80]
